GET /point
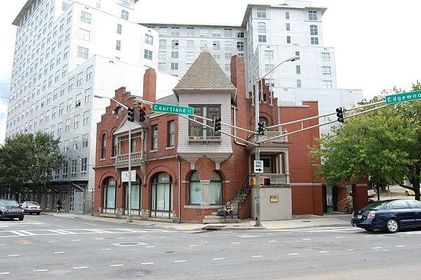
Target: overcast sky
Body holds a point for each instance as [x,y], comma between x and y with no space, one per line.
[377,42]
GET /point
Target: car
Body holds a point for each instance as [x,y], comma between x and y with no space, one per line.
[31,207]
[388,215]
[9,208]
[409,192]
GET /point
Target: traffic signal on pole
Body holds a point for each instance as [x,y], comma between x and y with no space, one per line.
[340,114]
[130,114]
[260,128]
[142,114]
[217,124]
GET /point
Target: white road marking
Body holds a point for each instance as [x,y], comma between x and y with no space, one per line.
[293,254]
[339,237]
[235,243]
[105,249]
[5,244]
[116,265]
[5,273]
[59,252]
[306,239]
[26,232]
[376,248]
[324,252]
[80,267]
[99,238]
[15,255]
[150,246]
[75,240]
[193,245]
[258,256]
[400,246]
[350,249]
[17,233]
[51,241]
[40,270]
[180,261]
[218,259]
[272,241]
[146,263]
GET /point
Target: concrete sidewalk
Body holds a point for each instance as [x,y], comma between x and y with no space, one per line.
[333,220]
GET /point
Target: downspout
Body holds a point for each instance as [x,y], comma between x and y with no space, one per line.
[235,124]
[179,188]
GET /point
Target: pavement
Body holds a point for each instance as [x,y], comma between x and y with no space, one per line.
[328,220]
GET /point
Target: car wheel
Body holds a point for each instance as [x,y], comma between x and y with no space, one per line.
[392,226]
[38,213]
[21,218]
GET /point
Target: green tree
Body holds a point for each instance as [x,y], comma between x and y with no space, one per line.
[383,146]
[28,159]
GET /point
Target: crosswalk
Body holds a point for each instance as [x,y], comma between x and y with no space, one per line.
[320,229]
[80,231]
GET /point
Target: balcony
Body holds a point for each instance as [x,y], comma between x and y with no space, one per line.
[270,134]
[272,180]
[271,147]
[123,160]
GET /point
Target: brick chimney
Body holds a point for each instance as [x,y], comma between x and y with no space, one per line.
[149,85]
[238,75]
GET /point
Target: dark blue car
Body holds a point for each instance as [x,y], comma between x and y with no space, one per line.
[388,215]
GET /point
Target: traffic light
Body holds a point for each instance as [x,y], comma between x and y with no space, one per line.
[142,114]
[340,114]
[260,128]
[217,124]
[130,114]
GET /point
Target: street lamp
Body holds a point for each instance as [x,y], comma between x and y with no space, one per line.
[257,151]
[129,193]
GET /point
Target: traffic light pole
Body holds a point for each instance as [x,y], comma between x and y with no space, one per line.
[129,192]
[257,157]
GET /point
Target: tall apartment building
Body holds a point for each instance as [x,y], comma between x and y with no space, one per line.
[268,34]
[66,52]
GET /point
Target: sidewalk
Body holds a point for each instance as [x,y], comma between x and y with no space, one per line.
[333,220]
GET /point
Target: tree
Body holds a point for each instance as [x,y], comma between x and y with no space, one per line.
[383,146]
[28,159]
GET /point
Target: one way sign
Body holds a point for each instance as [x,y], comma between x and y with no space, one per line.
[258,166]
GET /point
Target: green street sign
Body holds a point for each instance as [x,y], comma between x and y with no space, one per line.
[172,109]
[403,97]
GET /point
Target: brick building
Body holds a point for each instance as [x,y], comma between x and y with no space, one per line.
[185,171]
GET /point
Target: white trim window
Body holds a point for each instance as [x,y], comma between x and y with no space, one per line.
[261,13]
[326,70]
[85,17]
[148,39]
[325,57]
[312,15]
[147,54]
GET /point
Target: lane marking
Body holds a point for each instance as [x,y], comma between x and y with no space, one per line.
[80,267]
[75,240]
[40,270]
[306,239]
[147,263]
[116,265]
[150,246]
[293,254]
[400,246]
[324,252]
[180,261]
[26,232]
[350,250]
[218,259]
[235,243]
[17,232]
[60,252]
[376,248]
[339,237]
[5,273]
[272,241]
[195,245]
[258,256]
[15,255]
[105,249]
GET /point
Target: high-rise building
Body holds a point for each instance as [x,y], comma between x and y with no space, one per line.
[66,52]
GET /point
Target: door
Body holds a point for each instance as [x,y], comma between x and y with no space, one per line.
[161,196]
[403,212]
[71,202]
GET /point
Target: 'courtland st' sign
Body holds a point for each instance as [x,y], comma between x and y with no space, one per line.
[172,109]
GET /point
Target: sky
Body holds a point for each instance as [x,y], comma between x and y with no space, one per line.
[376,42]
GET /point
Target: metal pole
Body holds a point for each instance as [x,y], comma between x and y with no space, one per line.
[257,156]
[129,193]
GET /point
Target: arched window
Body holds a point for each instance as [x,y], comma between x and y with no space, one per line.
[261,27]
[109,194]
[196,194]
[161,195]
[215,189]
[103,145]
[135,196]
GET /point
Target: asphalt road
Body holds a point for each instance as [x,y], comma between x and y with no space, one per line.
[54,247]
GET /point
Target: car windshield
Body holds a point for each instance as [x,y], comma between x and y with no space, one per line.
[375,206]
[9,203]
[32,203]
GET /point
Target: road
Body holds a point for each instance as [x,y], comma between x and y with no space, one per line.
[52,247]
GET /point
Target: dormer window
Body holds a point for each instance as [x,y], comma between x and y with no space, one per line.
[197,130]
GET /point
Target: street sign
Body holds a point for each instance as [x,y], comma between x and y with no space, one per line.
[258,166]
[125,176]
[403,97]
[172,109]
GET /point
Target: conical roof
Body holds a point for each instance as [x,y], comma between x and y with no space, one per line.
[204,73]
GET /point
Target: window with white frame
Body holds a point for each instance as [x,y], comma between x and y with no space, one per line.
[261,13]
[148,39]
[75,143]
[175,31]
[312,15]
[88,93]
[119,28]
[314,30]
[174,54]
[82,52]
[190,56]
[154,139]
[326,70]
[298,69]
[118,45]
[89,72]
[125,14]
[240,46]
[314,40]
[298,83]
[78,100]
[288,39]
[65,166]
[286,15]
[66,145]
[85,140]
[85,17]
[76,122]
[83,166]
[174,66]
[79,79]
[197,131]
[163,44]
[325,57]
[175,44]
[261,38]
[86,118]
[327,84]
[69,105]
[74,168]
[216,45]
[147,54]
[84,34]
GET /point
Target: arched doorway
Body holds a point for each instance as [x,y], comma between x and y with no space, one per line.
[161,205]
[109,195]
[135,197]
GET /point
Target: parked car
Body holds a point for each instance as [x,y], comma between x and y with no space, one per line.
[10,209]
[389,215]
[409,192]
[31,207]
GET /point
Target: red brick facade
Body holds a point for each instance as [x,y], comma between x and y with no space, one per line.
[165,161]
